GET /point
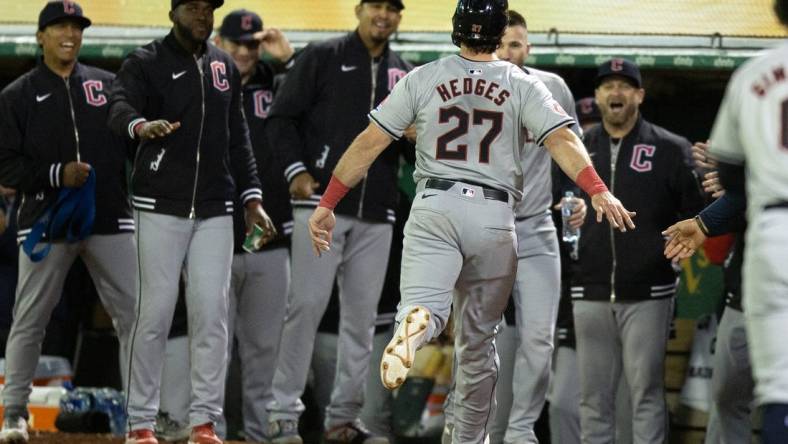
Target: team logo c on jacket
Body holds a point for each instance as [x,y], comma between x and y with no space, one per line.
[219,74]
[395,75]
[639,155]
[262,102]
[92,92]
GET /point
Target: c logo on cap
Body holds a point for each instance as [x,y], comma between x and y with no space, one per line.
[246,22]
[617,65]
[68,7]
[476,28]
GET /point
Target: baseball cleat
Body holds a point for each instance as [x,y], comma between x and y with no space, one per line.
[204,434]
[401,350]
[14,431]
[143,436]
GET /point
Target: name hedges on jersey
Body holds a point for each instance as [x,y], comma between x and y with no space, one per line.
[451,89]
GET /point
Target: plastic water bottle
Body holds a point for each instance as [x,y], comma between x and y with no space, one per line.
[567,206]
[112,403]
[76,400]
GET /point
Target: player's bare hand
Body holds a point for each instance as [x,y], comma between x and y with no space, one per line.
[321,227]
[700,154]
[274,42]
[608,206]
[683,239]
[410,134]
[303,186]
[156,128]
[75,174]
[711,184]
[254,214]
[579,211]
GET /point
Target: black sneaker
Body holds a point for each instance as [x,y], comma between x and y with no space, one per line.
[351,433]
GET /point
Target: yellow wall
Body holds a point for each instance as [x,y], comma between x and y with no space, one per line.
[729,17]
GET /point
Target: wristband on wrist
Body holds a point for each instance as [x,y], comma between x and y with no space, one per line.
[701,225]
[590,182]
[335,191]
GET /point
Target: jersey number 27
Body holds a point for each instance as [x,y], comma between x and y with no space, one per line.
[463,125]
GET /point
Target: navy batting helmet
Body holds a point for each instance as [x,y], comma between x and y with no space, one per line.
[479,22]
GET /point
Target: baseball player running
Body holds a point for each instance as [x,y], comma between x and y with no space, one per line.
[471,113]
[750,139]
[180,97]
[53,136]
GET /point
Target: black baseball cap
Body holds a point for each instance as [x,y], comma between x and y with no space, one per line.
[240,25]
[215,3]
[619,67]
[396,3]
[55,11]
[587,110]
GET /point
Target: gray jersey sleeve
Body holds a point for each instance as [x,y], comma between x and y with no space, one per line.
[541,113]
[563,95]
[726,142]
[398,111]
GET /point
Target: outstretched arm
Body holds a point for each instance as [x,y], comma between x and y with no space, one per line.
[570,154]
[352,167]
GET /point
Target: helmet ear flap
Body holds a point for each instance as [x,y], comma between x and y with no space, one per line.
[479,22]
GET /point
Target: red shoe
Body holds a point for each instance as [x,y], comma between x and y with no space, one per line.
[204,434]
[143,436]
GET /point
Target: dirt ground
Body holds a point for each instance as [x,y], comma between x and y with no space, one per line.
[78,438]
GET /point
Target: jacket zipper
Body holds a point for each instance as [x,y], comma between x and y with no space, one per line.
[73,117]
[612,230]
[192,214]
[371,107]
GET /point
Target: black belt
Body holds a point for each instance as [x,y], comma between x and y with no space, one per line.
[776,205]
[445,185]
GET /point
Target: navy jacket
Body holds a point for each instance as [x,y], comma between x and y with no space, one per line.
[653,177]
[38,136]
[200,169]
[258,95]
[322,106]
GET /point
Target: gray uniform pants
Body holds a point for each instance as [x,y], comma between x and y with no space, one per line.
[536,293]
[166,245]
[376,412]
[462,247]
[565,402]
[258,296]
[731,382]
[358,259]
[111,261]
[632,337]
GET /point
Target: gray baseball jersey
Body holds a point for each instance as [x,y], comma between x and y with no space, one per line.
[751,125]
[471,118]
[537,189]
[751,129]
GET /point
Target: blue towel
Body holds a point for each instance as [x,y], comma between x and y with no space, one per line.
[72,215]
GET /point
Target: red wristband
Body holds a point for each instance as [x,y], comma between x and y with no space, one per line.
[335,191]
[590,182]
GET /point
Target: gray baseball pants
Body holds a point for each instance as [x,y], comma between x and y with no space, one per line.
[537,290]
[462,248]
[258,298]
[358,259]
[565,402]
[167,245]
[111,261]
[732,385]
[630,337]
